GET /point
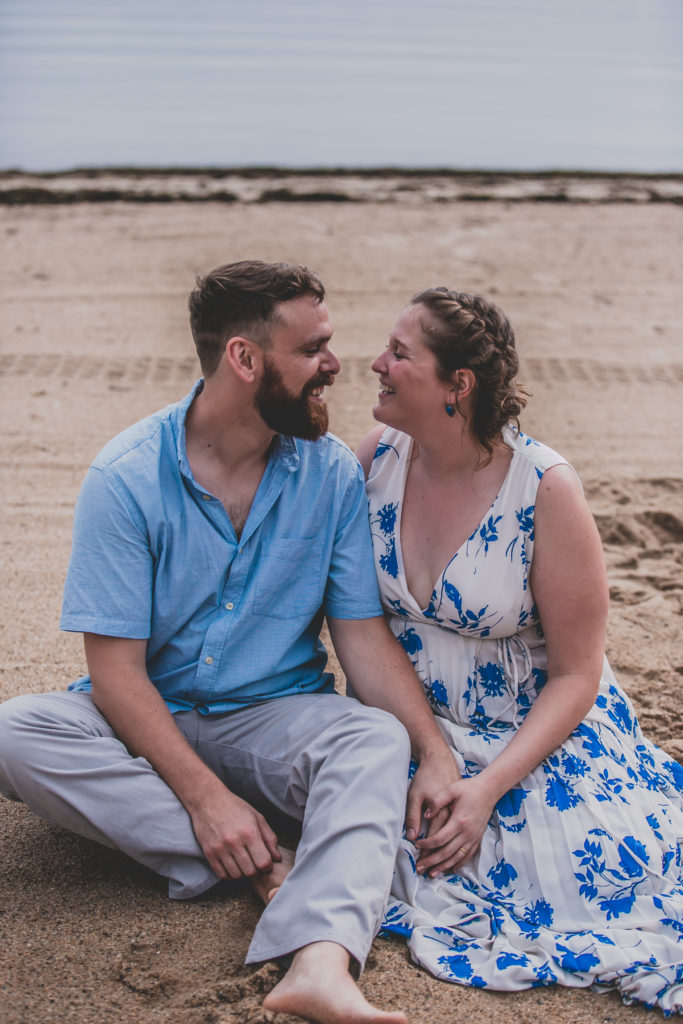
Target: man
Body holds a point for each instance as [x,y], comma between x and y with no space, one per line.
[208,544]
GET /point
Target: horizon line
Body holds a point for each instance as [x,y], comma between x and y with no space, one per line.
[256,170]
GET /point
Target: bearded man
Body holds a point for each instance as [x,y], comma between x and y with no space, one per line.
[209,542]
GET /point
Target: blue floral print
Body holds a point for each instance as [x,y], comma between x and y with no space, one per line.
[579,876]
[488,533]
[384,524]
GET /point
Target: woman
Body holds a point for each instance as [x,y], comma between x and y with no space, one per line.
[560,857]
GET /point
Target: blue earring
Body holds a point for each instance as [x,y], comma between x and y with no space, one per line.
[449,409]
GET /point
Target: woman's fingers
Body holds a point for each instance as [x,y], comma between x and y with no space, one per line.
[444,834]
[451,864]
[447,857]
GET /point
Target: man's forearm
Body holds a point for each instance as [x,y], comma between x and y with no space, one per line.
[235,838]
[132,705]
[381,675]
[142,721]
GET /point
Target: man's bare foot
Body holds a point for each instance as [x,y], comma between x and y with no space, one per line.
[318,986]
[267,884]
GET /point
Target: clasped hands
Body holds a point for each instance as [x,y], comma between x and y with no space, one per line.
[457,813]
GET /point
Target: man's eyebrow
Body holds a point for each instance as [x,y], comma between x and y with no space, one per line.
[314,342]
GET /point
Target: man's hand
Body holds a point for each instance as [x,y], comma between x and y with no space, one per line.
[460,813]
[236,839]
[435,771]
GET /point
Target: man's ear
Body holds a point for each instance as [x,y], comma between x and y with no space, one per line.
[245,358]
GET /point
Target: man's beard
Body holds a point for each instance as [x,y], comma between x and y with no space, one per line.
[291,414]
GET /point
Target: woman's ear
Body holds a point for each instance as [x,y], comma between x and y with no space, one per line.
[463,383]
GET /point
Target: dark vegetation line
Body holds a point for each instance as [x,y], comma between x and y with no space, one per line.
[44,196]
[554,186]
[493,176]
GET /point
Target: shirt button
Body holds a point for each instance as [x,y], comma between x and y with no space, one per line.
[230,606]
[206,497]
[209,660]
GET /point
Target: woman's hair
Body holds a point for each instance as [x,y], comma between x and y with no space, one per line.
[469,332]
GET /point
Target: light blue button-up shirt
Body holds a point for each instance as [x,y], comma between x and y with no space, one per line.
[228,622]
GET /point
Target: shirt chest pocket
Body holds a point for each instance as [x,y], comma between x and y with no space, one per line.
[291,579]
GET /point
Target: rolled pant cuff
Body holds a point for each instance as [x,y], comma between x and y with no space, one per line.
[178,891]
[358,949]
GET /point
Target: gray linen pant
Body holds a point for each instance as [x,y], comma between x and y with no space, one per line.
[338,767]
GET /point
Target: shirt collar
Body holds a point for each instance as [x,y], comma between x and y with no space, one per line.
[285,448]
[179,427]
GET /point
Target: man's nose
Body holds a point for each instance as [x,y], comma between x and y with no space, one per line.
[330,363]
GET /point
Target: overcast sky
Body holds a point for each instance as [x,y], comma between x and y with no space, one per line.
[524,84]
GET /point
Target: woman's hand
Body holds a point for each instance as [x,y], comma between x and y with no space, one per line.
[458,817]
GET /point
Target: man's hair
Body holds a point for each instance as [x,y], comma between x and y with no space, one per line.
[241,298]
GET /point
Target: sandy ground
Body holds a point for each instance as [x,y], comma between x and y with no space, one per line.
[94,336]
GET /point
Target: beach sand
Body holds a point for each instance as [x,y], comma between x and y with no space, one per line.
[95,336]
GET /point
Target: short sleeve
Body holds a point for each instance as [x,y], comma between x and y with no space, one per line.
[352,591]
[109,582]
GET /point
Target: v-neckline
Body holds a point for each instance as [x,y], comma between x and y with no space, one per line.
[399,523]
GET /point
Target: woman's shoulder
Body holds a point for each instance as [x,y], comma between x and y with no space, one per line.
[380,443]
[534,454]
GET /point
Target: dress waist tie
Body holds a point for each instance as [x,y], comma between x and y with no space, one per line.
[507,656]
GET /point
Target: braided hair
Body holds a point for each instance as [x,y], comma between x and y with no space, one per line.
[469,332]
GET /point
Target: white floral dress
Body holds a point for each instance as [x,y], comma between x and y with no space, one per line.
[579,876]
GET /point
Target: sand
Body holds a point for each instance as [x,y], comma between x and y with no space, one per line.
[94,336]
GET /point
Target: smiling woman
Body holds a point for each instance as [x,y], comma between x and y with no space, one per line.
[556,857]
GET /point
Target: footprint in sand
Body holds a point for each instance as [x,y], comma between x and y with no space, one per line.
[141,970]
[641,527]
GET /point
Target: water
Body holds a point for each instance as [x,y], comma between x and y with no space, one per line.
[510,84]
